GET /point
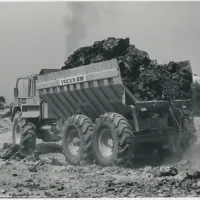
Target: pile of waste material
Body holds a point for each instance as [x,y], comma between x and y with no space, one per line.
[145,78]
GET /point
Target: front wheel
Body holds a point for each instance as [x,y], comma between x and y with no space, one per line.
[113,140]
[24,135]
[17,127]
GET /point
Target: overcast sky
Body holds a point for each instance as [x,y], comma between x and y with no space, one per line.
[42,35]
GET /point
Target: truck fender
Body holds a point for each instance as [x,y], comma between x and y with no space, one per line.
[31,114]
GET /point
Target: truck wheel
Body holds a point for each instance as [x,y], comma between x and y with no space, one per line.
[16,132]
[24,135]
[113,140]
[28,138]
[77,140]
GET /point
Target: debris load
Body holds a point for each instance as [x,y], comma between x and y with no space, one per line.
[144,77]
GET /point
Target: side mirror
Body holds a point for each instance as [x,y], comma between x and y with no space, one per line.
[15,92]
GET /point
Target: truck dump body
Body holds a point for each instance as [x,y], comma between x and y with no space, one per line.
[91,90]
[94,90]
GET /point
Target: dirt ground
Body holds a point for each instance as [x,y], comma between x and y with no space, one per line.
[52,176]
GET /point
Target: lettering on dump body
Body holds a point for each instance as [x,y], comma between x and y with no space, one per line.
[72,80]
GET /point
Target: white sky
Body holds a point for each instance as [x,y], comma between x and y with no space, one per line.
[41,35]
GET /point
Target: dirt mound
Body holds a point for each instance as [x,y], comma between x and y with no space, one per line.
[9,150]
[144,77]
[13,151]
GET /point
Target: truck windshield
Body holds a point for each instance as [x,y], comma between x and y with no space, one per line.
[24,88]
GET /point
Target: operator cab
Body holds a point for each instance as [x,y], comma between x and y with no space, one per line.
[26,96]
[25,87]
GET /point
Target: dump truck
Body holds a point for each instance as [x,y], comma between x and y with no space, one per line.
[96,116]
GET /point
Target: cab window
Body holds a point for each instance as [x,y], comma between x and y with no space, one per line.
[24,88]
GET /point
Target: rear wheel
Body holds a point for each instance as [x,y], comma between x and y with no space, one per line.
[113,140]
[77,140]
[24,134]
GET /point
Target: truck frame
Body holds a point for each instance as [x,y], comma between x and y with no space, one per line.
[96,116]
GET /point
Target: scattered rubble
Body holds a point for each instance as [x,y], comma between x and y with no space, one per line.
[9,150]
[95,181]
[144,77]
[2,191]
[34,167]
[47,174]
[168,171]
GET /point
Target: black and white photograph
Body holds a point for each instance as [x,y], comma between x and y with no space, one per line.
[99,99]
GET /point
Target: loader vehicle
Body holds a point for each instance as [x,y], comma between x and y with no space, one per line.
[96,116]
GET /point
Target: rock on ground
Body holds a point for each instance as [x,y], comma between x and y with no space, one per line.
[168,171]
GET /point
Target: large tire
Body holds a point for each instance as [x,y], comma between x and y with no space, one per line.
[77,140]
[17,127]
[27,135]
[28,139]
[121,140]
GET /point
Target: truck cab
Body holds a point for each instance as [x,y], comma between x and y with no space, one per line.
[26,98]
